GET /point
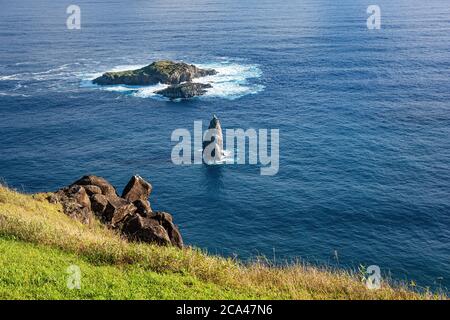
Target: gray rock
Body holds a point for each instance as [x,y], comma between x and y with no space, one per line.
[184,91]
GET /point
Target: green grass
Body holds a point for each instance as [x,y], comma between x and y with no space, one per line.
[38,242]
[32,271]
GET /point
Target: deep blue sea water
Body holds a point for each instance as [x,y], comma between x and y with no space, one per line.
[364,120]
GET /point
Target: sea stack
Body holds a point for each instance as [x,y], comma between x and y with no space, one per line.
[213,143]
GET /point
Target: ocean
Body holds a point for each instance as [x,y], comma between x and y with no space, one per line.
[363,116]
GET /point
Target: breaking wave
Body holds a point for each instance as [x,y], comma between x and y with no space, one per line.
[56,73]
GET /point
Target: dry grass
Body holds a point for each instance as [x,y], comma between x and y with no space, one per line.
[30,218]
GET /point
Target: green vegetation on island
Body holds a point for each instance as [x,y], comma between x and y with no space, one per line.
[165,72]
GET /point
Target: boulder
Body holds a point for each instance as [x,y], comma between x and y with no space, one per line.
[116,210]
[137,189]
[184,91]
[143,207]
[213,144]
[122,214]
[98,204]
[75,202]
[146,230]
[106,188]
[165,220]
[164,71]
[91,190]
[130,214]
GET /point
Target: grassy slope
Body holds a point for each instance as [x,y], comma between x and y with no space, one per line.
[38,242]
[32,271]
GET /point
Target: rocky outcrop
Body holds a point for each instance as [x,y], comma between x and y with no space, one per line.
[75,202]
[157,227]
[184,91]
[213,143]
[146,229]
[167,72]
[137,189]
[99,202]
[130,214]
[95,183]
[143,207]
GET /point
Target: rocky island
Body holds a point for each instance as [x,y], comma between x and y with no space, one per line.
[184,90]
[178,75]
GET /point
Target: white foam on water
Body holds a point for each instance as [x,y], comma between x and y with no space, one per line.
[233,80]
[119,88]
[86,80]
[227,157]
[10,77]
[13,94]
[150,92]
[50,74]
